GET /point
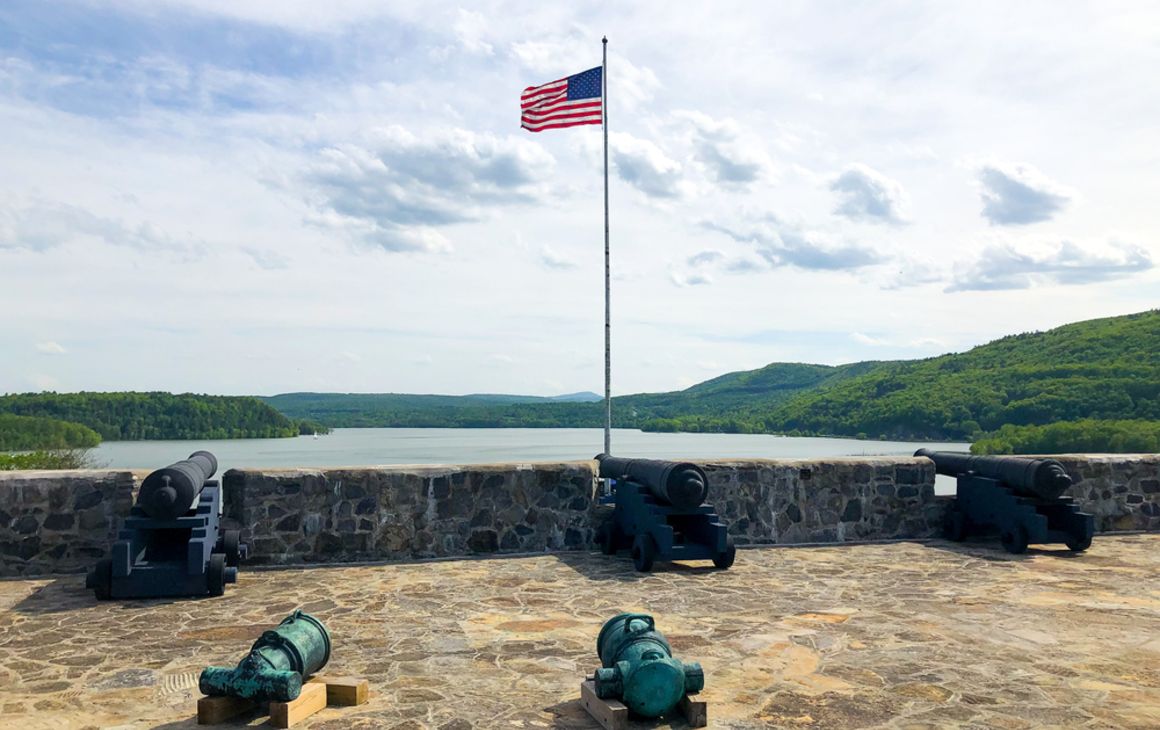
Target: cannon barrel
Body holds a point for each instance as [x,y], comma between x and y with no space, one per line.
[170,492]
[639,668]
[679,483]
[1041,478]
[277,664]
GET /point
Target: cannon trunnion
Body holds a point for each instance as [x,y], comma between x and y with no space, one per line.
[639,668]
[172,543]
[1021,498]
[278,662]
[660,513]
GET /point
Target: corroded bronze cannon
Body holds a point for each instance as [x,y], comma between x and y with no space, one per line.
[277,664]
[639,668]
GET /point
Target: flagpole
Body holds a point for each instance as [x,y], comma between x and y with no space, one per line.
[607,278]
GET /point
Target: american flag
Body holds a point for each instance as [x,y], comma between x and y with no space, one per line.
[568,102]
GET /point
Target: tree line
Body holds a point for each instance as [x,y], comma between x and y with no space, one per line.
[133,416]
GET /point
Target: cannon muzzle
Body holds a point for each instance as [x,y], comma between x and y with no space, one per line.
[1041,478]
[170,492]
[277,664]
[679,483]
[639,668]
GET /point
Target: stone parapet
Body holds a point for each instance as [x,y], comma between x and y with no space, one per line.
[60,521]
[293,516]
[1121,490]
[826,500]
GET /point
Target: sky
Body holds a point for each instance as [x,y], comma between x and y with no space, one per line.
[280,195]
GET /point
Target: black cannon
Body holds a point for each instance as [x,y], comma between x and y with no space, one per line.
[1019,497]
[171,492]
[660,513]
[172,543]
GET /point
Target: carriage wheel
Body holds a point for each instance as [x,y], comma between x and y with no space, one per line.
[724,560]
[1014,539]
[644,552]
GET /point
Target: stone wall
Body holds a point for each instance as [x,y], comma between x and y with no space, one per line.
[834,500]
[64,521]
[59,522]
[1121,490]
[411,512]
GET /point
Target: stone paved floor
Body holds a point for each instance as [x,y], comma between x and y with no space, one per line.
[899,635]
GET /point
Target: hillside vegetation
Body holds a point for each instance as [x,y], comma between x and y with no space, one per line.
[24,433]
[1078,437]
[1105,369]
[138,416]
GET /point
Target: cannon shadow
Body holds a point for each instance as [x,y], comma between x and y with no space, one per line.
[618,568]
[65,593]
[989,549]
[570,715]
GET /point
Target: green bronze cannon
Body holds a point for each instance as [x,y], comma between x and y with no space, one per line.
[639,668]
[277,663]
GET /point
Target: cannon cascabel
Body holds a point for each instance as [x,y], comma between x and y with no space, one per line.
[171,491]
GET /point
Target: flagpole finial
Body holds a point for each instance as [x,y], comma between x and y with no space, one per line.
[604,40]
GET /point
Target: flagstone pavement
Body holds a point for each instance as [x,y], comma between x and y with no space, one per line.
[900,635]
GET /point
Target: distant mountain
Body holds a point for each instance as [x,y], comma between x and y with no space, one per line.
[584,396]
[1102,369]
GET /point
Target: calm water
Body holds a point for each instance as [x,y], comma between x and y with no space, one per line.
[381,446]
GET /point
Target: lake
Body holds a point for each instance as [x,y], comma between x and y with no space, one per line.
[383,446]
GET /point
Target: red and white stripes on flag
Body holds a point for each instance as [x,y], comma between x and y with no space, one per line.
[568,102]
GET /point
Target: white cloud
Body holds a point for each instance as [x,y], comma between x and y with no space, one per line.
[1011,266]
[395,191]
[642,164]
[730,158]
[553,260]
[49,347]
[783,244]
[41,225]
[867,195]
[1017,194]
[471,28]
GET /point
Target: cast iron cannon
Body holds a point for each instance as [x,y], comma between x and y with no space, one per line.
[1020,497]
[278,662]
[172,543]
[639,668]
[660,513]
[172,491]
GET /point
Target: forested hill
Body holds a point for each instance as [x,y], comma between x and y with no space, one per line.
[137,416]
[1101,369]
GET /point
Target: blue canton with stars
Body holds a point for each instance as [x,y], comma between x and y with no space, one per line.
[585,85]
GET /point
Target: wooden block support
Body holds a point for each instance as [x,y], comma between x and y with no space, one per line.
[343,691]
[695,711]
[611,714]
[312,699]
[212,710]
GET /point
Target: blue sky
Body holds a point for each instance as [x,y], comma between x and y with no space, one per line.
[271,196]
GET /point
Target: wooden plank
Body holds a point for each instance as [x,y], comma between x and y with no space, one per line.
[212,710]
[611,714]
[312,699]
[696,712]
[344,691]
